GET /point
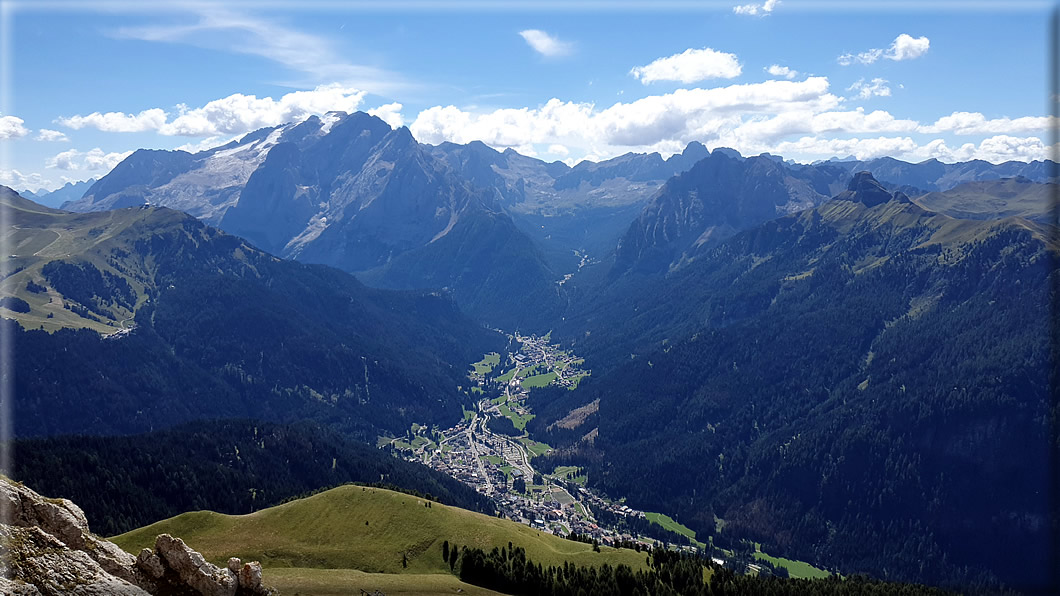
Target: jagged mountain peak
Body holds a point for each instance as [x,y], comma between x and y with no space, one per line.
[865,189]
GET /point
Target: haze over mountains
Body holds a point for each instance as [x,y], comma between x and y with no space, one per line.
[845,361]
[498,229]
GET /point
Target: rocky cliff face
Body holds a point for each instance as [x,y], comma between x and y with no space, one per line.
[46,549]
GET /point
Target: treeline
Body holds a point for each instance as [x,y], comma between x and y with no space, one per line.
[232,467]
[669,573]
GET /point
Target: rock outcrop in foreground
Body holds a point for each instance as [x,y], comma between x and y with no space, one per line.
[47,549]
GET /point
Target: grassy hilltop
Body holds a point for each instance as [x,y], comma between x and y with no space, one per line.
[323,545]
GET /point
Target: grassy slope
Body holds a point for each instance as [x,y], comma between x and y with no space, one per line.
[992,199]
[336,582]
[328,531]
[39,235]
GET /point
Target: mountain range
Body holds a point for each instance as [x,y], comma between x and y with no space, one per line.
[850,383]
[846,362]
[500,231]
[144,317]
[68,193]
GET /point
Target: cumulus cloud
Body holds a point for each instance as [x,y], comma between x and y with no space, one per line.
[753,10]
[662,123]
[763,133]
[152,119]
[781,71]
[11,127]
[93,160]
[235,114]
[797,119]
[389,113]
[996,149]
[904,47]
[975,123]
[33,182]
[51,135]
[907,47]
[690,66]
[875,87]
[545,44]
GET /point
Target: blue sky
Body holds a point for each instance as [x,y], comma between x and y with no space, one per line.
[86,83]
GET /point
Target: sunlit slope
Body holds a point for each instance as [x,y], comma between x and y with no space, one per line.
[366,529]
[37,235]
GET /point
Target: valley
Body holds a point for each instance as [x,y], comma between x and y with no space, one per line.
[741,369]
[554,499]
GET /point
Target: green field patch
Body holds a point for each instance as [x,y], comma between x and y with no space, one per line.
[575,380]
[506,377]
[382,441]
[468,414]
[477,391]
[539,380]
[518,420]
[499,400]
[494,459]
[797,569]
[528,371]
[485,366]
[534,447]
[668,523]
[561,473]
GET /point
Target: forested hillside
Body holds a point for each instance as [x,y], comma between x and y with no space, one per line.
[232,467]
[864,385]
[213,328]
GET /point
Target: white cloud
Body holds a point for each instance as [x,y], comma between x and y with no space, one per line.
[319,58]
[781,71]
[995,149]
[93,160]
[756,9]
[975,123]
[796,119]
[146,120]
[907,47]
[690,66]
[546,44]
[859,148]
[904,47]
[11,127]
[390,113]
[664,123]
[51,135]
[33,182]
[763,133]
[875,87]
[235,114]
